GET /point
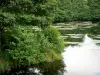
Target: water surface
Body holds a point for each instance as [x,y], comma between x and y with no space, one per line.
[82,59]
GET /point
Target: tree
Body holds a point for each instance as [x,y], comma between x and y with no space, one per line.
[36,12]
[23,45]
[74,10]
[71,10]
[14,13]
[94,9]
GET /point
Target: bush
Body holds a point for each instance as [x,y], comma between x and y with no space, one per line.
[25,47]
[29,48]
[53,36]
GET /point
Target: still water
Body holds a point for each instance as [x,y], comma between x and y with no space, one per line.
[81,55]
[82,59]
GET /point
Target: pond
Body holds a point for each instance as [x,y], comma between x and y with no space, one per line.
[81,55]
[82,59]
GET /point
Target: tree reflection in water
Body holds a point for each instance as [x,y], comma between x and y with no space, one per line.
[46,68]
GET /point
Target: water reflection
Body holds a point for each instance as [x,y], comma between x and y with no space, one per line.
[46,68]
[82,59]
[73,32]
[54,68]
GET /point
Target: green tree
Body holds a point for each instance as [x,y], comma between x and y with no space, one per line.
[71,10]
[74,10]
[19,41]
[54,37]
[28,12]
[14,13]
[94,9]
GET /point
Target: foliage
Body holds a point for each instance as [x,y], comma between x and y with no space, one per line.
[94,9]
[71,10]
[28,47]
[4,61]
[27,12]
[53,36]
[23,45]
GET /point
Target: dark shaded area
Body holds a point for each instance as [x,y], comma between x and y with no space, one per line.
[46,68]
[4,2]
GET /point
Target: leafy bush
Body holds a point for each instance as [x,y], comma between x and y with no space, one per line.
[24,46]
[55,38]
[29,48]
[7,19]
[12,20]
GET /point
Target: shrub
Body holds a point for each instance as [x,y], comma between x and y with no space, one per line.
[30,47]
[53,36]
